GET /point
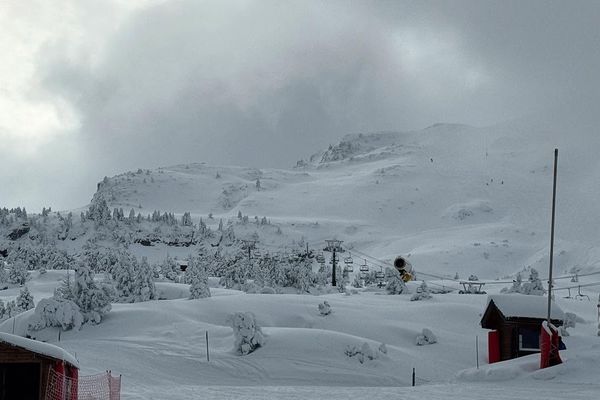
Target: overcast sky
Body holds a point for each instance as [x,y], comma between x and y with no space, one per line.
[90,88]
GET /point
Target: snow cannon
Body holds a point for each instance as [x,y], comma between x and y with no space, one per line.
[404,267]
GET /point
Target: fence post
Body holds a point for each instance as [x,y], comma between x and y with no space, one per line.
[207,354]
[477,350]
[413,377]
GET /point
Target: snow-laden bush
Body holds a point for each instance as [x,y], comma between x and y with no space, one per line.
[357,282]
[56,312]
[516,286]
[197,277]
[395,284]
[267,290]
[534,285]
[569,322]
[324,308]
[365,352]
[426,337]
[248,335]
[422,293]
[24,300]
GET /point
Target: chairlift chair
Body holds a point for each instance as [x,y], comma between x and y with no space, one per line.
[320,258]
[580,296]
[364,267]
[348,260]
[348,268]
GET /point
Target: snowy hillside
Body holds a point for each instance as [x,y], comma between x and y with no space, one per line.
[453,197]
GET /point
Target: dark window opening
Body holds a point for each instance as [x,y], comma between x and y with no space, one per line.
[20,381]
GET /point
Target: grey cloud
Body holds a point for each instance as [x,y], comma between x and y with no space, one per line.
[264,83]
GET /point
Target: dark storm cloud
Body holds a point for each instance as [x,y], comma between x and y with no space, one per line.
[264,83]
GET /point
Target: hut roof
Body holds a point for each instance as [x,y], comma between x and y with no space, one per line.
[525,306]
[46,349]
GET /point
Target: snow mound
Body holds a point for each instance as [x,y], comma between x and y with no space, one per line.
[468,210]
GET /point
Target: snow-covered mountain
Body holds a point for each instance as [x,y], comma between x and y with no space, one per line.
[452,198]
[455,198]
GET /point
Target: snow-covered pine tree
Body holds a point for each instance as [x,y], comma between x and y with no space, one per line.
[186,219]
[143,285]
[422,293]
[516,286]
[18,273]
[123,275]
[94,300]
[324,308]
[197,276]
[3,274]
[395,284]
[248,335]
[24,300]
[534,285]
[169,269]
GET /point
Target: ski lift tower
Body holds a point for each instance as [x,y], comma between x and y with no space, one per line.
[334,246]
[249,245]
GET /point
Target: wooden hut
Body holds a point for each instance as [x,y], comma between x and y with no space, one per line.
[516,323]
[25,365]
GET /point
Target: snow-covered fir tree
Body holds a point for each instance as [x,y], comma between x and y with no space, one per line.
[169,269]
[516,286]
[24,300]
[395,284]
[197,276]
[422,293]
[143,285]
[248,335]
[18,273]
[93,300]
[534,285]
[324,308]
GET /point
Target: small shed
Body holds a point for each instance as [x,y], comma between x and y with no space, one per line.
[25,365]
[516,323]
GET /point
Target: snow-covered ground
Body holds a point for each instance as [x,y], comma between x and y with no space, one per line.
[159,347]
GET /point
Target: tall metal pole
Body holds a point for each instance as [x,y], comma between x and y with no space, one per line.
[552,235]
[333,261]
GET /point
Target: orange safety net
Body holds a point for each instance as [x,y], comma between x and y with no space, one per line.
[98,387]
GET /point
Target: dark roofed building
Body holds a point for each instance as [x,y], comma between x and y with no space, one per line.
[516,322]
[25,365]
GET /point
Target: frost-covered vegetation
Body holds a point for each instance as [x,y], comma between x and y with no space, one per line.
[248,335]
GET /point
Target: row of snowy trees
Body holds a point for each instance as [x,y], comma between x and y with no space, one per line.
[533,286]
[23,302]
[83,300]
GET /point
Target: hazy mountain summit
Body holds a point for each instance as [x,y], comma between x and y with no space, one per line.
[444,194]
